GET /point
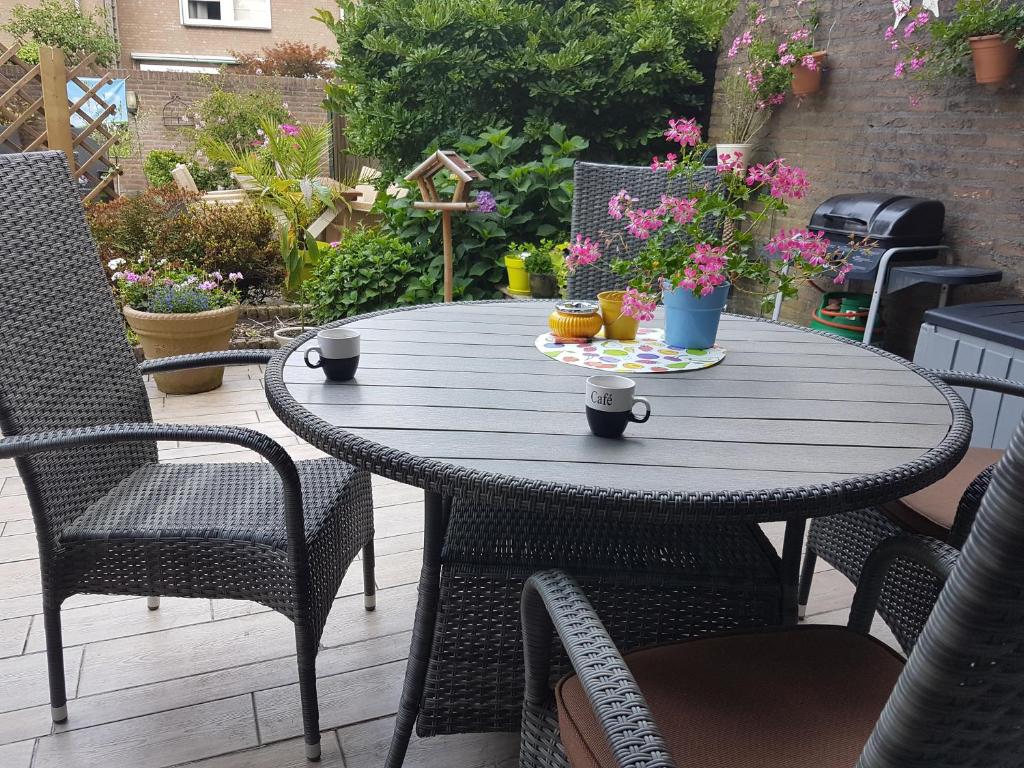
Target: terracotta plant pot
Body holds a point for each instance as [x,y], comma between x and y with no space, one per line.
[165,335]
[807,81]
[994,58]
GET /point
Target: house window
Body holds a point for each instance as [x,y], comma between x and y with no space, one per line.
[253,14]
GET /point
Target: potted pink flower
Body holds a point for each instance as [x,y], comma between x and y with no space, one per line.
[177,309]
[698,247]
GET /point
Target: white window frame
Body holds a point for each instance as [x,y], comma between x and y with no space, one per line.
[227,10]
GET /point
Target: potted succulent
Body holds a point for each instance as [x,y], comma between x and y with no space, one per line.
[691,266]
[541,269]
[177,309]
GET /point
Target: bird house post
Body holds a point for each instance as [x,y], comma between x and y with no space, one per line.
[465,175]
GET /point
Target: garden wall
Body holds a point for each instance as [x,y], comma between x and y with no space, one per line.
[962,144]
[156,89]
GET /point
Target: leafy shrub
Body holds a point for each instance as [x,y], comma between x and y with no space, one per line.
[288,58]
[169,223]
[950,48]
[240,238]
[160,162]
[534,201]
[235,118]
[62,24]
[367,270]
[416,72]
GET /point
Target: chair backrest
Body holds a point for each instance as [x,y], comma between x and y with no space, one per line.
[594,184]
[960,699]
[64,359]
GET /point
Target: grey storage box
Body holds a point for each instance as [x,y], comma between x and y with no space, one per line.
[985,338]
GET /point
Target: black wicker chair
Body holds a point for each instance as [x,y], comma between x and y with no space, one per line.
[108,517]
[811,696]
[944,511]
[594,184]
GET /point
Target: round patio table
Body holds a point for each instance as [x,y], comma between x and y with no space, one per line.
[456,399]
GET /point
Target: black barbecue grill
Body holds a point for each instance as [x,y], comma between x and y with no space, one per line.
[905,236]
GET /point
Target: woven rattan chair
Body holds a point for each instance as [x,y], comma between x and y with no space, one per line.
[108,517]
[944,511]
[814,696]
[594,184]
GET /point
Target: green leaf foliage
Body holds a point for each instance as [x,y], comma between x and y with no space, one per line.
[418,72]
[160,162]
[534,202]
[60,23]
[368,269]
[951,33]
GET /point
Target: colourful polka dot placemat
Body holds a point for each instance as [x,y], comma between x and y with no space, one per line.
[648,353]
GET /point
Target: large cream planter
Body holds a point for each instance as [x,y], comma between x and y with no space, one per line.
[165,335]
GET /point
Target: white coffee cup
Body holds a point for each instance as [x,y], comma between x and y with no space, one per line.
[609,402]
[337,353]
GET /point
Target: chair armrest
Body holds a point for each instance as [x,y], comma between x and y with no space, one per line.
[977,381]
[65,439]
[936,556]
[206,360]
[552,600]
[968,507]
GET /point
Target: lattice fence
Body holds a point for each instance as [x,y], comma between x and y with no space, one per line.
[36,113]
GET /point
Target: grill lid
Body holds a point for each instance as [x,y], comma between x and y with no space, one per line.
[890,220]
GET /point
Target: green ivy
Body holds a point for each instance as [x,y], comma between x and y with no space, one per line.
[368,269]
[415,72]
[534,202]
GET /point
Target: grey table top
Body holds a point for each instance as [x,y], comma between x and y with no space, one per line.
[460,390]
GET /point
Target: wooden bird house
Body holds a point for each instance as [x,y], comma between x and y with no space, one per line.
[465,175]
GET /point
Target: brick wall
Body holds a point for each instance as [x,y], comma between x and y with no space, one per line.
[963,144]
[155,89]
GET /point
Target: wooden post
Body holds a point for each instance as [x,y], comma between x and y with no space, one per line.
[446,234]
[53,77]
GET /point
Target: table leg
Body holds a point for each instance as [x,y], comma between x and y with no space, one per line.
[792,548]
[423,629]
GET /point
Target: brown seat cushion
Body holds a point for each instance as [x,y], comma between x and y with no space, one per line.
[800,697]
[931,511]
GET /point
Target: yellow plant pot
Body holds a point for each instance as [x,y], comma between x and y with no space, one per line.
[518,277]
[186,333]
[616,325]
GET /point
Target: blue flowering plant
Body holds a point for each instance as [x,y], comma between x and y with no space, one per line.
[171,287]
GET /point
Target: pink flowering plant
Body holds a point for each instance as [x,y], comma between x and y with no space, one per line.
[771,51]
[171,287]
[705,238]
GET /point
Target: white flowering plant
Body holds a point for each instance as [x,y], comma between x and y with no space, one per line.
[171,287]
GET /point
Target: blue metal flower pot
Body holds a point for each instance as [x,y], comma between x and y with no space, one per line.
[691,321]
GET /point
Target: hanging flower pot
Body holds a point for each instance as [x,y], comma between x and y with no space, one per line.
[691,322]
[994,58]
[805,80]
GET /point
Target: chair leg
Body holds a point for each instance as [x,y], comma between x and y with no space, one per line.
[806,576]
[153,602]
[306,654]
[55,663]
[369,585]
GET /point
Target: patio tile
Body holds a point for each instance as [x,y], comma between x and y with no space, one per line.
[121,619]
[16,547]
[15,508]
[19,578]
[155,741]
[346,698]
[283,754]
[28,605]
[12,635]
[365,744]
[12,486]
[18,755]
[26,723]
[16,527]
[109,707]
[23,679]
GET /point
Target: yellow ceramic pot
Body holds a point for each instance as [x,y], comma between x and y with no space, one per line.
[575,320]
[518,277]
[616,325]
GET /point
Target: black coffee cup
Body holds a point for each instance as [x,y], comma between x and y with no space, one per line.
[337,353]
[610,401]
